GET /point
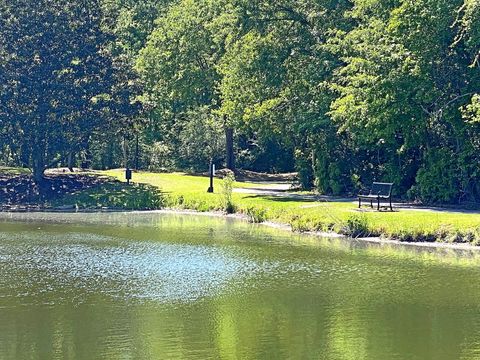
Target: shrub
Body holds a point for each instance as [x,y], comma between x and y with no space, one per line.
[356,226]
[443,233]
[299,224]
[447,233]
[473,236]
[456,237]
[414,235]
[116,196]
[437,181]
[227,189]
[256,215]
[303,165]
[307,223]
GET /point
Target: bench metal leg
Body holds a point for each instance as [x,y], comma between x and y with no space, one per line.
[391,207]
[378,204]
[371,204]
[359,203]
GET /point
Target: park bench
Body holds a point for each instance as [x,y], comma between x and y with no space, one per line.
[378,192]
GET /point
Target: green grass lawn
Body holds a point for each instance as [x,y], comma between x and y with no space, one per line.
[114,195]
[183,191]
[10,171]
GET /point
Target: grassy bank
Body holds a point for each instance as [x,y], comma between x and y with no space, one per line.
[181,191]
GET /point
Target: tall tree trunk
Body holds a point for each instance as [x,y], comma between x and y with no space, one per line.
[137,152]
[71,158]
[125,152]
[38,167]
[229,148]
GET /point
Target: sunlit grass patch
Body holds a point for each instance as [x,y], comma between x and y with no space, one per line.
[190,192]
[11,171]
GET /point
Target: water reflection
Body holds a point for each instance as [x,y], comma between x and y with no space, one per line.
[152,272]
[148,286]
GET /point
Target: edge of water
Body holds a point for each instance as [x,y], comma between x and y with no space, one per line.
[276,225]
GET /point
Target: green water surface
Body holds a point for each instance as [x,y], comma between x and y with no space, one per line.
[160,286]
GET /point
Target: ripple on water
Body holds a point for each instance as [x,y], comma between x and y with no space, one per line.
[52,268]
[135,270]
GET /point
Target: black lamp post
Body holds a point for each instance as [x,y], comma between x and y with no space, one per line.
[210,189]
[128,175]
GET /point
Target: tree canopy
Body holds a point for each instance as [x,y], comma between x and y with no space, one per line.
[344,92]
[59,83]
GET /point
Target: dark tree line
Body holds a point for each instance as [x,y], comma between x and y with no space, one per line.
[60,83]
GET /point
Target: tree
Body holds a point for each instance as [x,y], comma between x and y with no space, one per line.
[131,21]
[406,75]
[179,64]
[274,78]
[57,79]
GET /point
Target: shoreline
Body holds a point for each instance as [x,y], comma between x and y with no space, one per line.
[270,224]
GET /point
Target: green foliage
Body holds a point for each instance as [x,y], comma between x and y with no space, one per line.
[396,100]
[116,196]
[227,190]
[305,170]
[469,28]
[131,22]
[299,224]
[201,140]
[159,156]
[437,181]
[356,226]
[58,80]
[256,215]
[308,223]
[346,92]
[471,111]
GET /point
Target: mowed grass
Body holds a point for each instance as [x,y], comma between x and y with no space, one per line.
[151,191]
[114,196]
[181,191]
[11,171]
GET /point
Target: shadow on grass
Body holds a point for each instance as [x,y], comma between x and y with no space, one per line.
[282,199]
[116,195]
[82,191]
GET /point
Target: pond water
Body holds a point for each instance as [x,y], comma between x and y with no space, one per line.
[153,286]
